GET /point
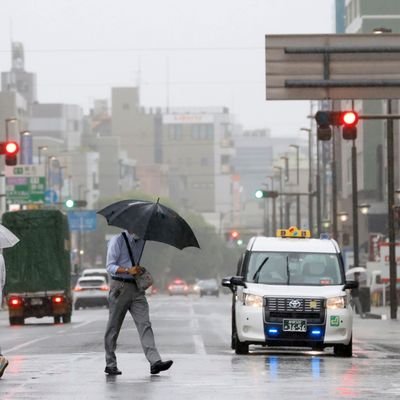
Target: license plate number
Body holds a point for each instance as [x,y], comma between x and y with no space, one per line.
[36,302]
[294,325]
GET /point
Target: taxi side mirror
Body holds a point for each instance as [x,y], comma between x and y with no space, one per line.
[351,285]
[238,281]
[226,282]
[231,281]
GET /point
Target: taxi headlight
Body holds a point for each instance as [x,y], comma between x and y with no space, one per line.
[252,300]
[336,302]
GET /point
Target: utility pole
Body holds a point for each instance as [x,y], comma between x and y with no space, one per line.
[334,187]
[391,227]
[354,202]
[310,205]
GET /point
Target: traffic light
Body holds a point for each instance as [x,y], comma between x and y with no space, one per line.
[234,235]
[10,150]
[324,122]
[349,130]
[272,194]
[75,203]
[69,203]
[326,119]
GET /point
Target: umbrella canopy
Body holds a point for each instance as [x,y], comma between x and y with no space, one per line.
[7,238]
[355,270]
[151,221]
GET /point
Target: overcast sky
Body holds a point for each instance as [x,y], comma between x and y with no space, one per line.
[182,52]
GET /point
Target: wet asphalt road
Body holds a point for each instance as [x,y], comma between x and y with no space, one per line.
[57,362]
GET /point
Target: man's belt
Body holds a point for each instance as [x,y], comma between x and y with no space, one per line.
[127,280]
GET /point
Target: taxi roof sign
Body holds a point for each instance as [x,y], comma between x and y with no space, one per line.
[293,232]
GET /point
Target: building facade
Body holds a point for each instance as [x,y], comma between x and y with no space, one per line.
[198,148]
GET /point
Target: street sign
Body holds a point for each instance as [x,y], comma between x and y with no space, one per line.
[25,190]
[82,220]
[348,66]
[35,170]
[50,196]
[25,184]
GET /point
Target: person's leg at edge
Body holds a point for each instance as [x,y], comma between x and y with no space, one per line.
[3,364]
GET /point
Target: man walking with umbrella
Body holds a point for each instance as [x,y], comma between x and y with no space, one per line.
[126,296]
[142,220]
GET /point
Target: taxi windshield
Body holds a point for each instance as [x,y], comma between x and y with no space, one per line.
[288,268]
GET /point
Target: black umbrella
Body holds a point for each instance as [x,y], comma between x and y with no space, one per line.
[150,221]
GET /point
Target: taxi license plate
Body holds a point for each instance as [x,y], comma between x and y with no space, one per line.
[36,302]
[294,325]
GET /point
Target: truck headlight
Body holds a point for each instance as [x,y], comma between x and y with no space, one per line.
[253,300]
[336,302]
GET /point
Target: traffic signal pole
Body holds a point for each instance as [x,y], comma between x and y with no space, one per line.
[334,188]
[391,227]
[318,191]
[355,202]
[273,216]
[310,207]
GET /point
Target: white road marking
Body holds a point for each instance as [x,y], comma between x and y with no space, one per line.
[194,325]
[22,345]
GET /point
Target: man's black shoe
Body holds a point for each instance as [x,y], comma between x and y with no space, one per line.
[112,371]
[160,366]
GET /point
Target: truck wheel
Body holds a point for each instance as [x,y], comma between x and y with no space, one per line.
[17,321]
[57,319]
[240,347]
[66,318]
[343,350]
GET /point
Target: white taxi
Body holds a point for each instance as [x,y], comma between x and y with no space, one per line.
[290,290]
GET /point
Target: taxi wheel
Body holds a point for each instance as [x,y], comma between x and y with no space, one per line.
[343,350]
[241,347]
[233,333]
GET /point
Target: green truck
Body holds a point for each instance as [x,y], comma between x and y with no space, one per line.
[38,267]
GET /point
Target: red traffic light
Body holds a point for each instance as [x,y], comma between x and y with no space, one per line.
[9,148]
[349,118]
[234,234]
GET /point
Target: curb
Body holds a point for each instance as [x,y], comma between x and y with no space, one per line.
[375,316]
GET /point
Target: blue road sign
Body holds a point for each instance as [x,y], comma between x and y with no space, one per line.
[50,196]
[82,220]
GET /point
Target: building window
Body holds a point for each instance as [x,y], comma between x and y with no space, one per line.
[125,106]
[225,159]
[95,184]
[195,131]
[175,132]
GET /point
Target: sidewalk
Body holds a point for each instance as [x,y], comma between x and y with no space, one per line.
[378,313]
[382,312]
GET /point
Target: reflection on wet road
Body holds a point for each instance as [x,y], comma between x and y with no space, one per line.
[66,361]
